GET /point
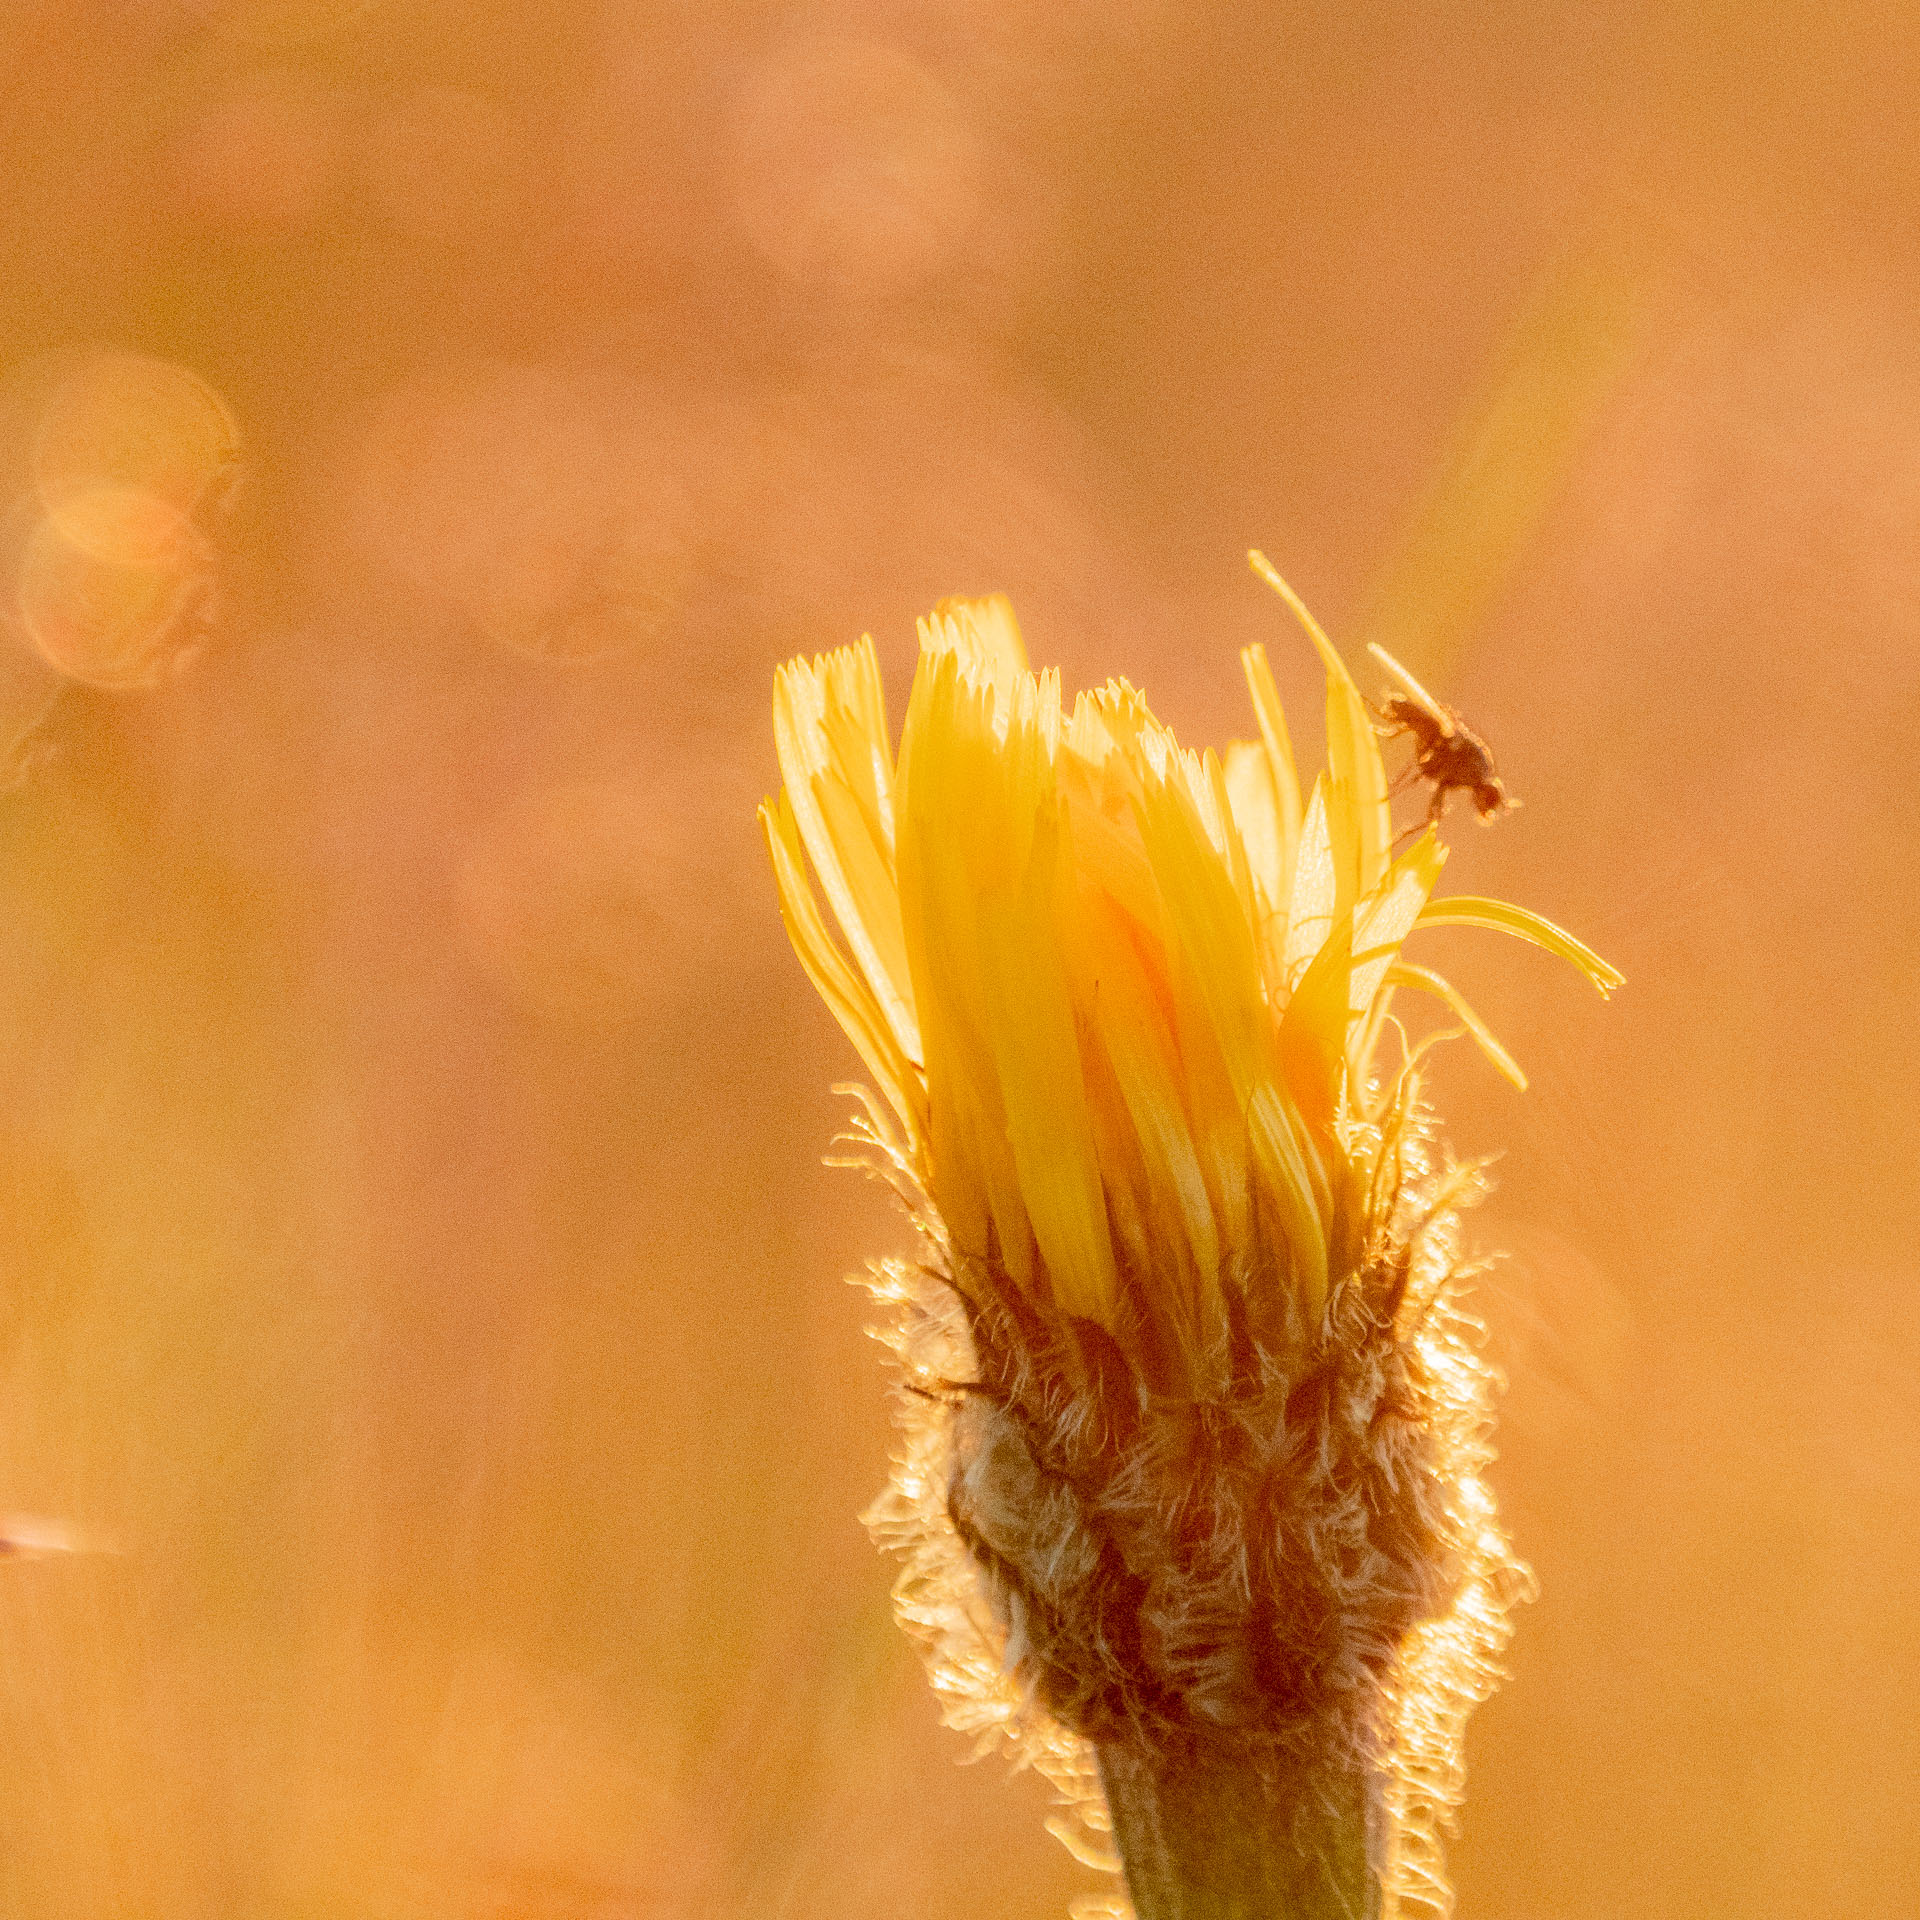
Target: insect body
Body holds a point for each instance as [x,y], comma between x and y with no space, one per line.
[1446,751]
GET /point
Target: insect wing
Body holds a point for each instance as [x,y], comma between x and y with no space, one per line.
[1431,707]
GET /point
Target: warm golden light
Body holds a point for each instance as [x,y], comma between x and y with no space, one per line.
[432,1421]
[282,23]
[511,499]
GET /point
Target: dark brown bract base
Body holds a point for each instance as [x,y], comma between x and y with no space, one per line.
[1238,1573]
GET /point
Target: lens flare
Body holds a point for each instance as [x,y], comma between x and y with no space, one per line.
[114,588]
[266,159]
[504,496]
[116,469]
[856,171]
[578,899]
[123,419]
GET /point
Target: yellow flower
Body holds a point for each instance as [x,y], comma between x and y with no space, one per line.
[1125,1001]
[1190,1494]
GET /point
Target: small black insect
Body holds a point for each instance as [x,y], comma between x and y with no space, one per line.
[1446,751]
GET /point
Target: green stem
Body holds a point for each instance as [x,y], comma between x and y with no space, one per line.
[1206,1838]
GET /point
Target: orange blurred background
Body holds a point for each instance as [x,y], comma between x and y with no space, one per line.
[423,427]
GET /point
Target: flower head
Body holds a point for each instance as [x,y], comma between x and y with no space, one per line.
[1124,999]
[1205,1434]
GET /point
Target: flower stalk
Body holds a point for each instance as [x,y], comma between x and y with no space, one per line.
[1208,1837]
[1190,1493]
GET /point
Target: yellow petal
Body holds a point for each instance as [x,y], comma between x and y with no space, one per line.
[1469,910]
[1273,735]
[1357,801]
[1142,1244]
[1223,830]
[1256,817]
[847,995]
[1310,910]
[983,633]
[1314,1032]
[1385,918]
[954,843]
[1207,918]
[856,724]
[1036,1054]
[830,733]
[1403,974]
[1208,923]
[1295,1186]
[1256,813]
[1121,1008]
[1329,1008]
